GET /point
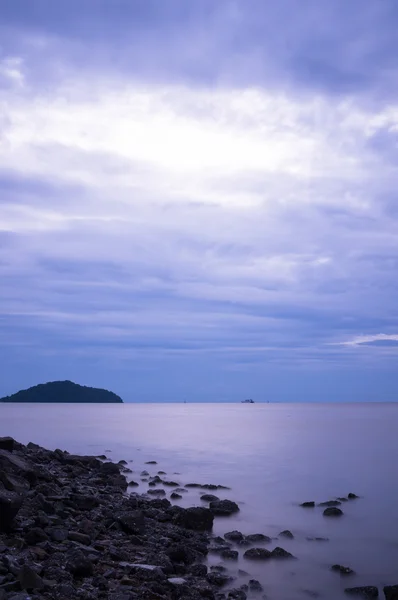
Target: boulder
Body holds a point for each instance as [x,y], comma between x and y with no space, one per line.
[109,468]
[255,586]
[35,536]
[12,464]
[133,484]
[367,591]
[132,523]
[228,554]
[10,503]
[287,534]
[171,483]
[218,579]
[196,518]
[391,592]
[200,570]
[342,570]
[234,536]
[254,538]
[279,552]
[308,504]
[223,507]
[332,511]
[330,503]
[209,498]
[175,496]
[80,538]
[237,594]
[352,496]
[78,564]
[7,443]
[29,579]
[160,492]
[257,554]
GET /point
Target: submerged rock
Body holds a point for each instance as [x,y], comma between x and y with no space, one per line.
[175,496]
[223,507]
[255,586]
[257,554]
[332,512]
[228,554]
[209,498]
[234,536]
[391,592]
[308,504]
[287,534]
[279,552]
[254,538]
[367,591]
[342,570]
[330,503]
[352,496]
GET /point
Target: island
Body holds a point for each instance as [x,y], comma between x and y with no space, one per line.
[63,392]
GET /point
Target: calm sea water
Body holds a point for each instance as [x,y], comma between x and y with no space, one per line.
[273,457]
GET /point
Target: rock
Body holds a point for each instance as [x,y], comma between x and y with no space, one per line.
[151,462]
[175,496]
[209,498]
[255,586]
[132,522]
[78,564]
[170,483]
[368,591]
[234,536]
[254,538]
[109,468]
[156,492]
[317,539]
[218,579]
[200,570]
[133,484]
[391,592]
[35,536]
[342,499]
[7,443]
[237,594]
[144,474]
[308,504]
[279,552]
[257,554]
[352,496]
[330,503]
[81,538]
[14,483]
[10,503]
[332,512]
[192,485]
[13,464]
[342,570]
[196,518]
[29,579]
[223,507]
[57,534]
[287,534]
[228,554]
[177,580]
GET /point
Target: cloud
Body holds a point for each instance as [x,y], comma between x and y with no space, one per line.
[383,338]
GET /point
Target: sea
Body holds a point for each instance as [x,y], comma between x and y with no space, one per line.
[273,457]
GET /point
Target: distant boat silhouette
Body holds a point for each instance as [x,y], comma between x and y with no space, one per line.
[249,401]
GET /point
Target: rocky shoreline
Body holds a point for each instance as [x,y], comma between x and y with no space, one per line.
[71,527]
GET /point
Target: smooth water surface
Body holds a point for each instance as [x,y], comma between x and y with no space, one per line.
[273,457]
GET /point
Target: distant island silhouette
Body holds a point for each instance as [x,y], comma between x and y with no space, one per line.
[63,392]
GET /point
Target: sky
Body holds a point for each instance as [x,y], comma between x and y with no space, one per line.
[199,200]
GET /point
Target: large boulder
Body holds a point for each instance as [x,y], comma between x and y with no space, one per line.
[254,538]
[223,508]
[257,554]
[10,463]
[279,552]
[234,536]
[391,592]
[132,522]
[332,511]
[7,443]
[10,503]
[196,518]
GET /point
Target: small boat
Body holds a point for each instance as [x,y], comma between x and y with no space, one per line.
[249,401]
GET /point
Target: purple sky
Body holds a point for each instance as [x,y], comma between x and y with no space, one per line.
[198,200]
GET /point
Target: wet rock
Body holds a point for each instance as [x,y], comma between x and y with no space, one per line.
[228,554]
[144,474]
[218,579]
[161,472]
[10,504]
[7,443]
[196,518]
[175,496]
[342,499]
[170,483]
[287,534]
[352,496]
[367,591]
[181,490]
[78,564]
[332,512]
[209,498]
[257,554]
[192,485]
[109,468]
[156,492]
[255,586]
[279,552]
[29,579]
[237,594]
[234,536]
[151,462]
[133,484]
[132,522]
[200,570]
[317,539]
[308,504]
[342,570]
[330,503]
[223,507]
[254,538]
[391,592]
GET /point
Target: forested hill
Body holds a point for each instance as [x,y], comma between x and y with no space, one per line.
[63,391]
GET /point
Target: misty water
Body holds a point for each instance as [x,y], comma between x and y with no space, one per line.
[273,457]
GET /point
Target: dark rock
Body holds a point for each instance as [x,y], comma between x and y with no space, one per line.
[257,554]
[237,594]
[342,499]
[209,498]
[133,484]
[228,554]
[200,570]
[29,579]
[317,539]
[81,538]
[254,538]
[192,485]
[342,570]
[175,496]
[109,468]
[151,462]
[10,503]
[132,522]
[223,507]
[255,586]
[308,504]
[281,553]
[352,496]
[35,536]
[330,503]
[170,483]
[78,564]
[144,474]
[122,462]
[368,591]
[13,464]
[196,518]
[84,502]
[391,592]
[156,492]
[7,443]
[332,512]
[218,579]
[287,534]
[234,536]
[14,483]
[57,534]
[181,554]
